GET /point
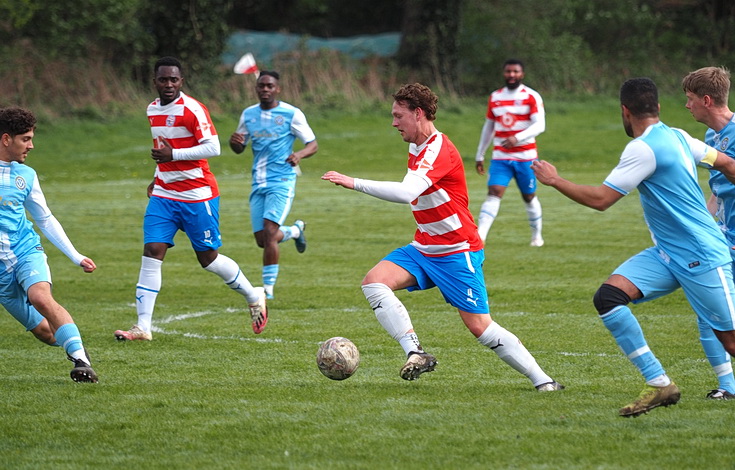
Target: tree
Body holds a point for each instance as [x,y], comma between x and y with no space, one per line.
[430,40]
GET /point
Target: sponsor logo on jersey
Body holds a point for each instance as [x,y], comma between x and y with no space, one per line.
[264,134]
[425,165]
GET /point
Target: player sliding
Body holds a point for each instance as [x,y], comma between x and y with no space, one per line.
[446,251]
[690,250]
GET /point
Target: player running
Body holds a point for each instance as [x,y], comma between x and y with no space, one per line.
[446,251]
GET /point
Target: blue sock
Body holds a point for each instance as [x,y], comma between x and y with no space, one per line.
[69,337]
[628,334]
[270,274]
[718,358]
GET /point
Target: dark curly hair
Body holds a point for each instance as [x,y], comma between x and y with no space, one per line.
[640,96]
[417,96]
[168,61]
[15,121]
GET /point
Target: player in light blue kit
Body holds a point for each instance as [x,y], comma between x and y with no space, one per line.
[25,280]
[273,127]
[707,91]
[689,250]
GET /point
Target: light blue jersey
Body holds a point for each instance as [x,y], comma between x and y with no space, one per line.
[273,133]
[24,262]
[661,163]
[18,188]
[721,187]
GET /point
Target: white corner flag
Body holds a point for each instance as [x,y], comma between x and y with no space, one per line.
[246,64]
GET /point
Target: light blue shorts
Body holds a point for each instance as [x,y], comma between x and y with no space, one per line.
[199,220]
[502,171]
[30,269]
[272,202]
[459,276]
[711,294]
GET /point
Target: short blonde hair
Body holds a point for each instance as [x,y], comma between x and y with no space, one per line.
[712,81]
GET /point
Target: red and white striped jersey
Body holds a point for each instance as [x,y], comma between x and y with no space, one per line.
[445,223]
[184,123]
[512,111]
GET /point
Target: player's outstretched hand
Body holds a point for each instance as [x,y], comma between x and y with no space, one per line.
[339,179]
[88,265]
[545,172]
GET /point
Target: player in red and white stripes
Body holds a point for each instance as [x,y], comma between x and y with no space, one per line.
[183,196]
[515,116]
[446,251]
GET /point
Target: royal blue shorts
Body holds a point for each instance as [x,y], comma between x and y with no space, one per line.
[199,220]
[28,270]
[459,276]
[502,171]
[711,294]
[272,202]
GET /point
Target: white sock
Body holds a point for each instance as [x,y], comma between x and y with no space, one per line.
[389,311]
[289,232]
[410,343]
[230,272]
[660,381]
[510,349]
[533,209]
[146,292]
[268,289]
[488,212]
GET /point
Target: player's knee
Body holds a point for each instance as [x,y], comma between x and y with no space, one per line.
[608,297]
[375,292]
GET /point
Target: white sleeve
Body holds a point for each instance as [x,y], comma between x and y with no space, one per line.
[703,154]
[207,148]
[486,138]
[242,128]
[637,163]
[538,125]
[300,128]
[405,191]
[49,226]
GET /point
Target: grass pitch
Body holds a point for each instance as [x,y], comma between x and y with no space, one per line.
[208,393]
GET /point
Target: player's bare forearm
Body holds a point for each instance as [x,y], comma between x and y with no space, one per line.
[726,166]
[596,197]
[339,179]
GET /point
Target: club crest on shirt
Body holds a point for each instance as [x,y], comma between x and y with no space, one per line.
[508,119]
[20,182]
[170,120]
[723,144]
[279,120]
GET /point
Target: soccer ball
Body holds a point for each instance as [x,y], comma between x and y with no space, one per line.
[338,358]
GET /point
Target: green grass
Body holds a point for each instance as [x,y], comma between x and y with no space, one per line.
[207,393]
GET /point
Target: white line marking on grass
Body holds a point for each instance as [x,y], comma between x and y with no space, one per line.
[185,316]
[583,354]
